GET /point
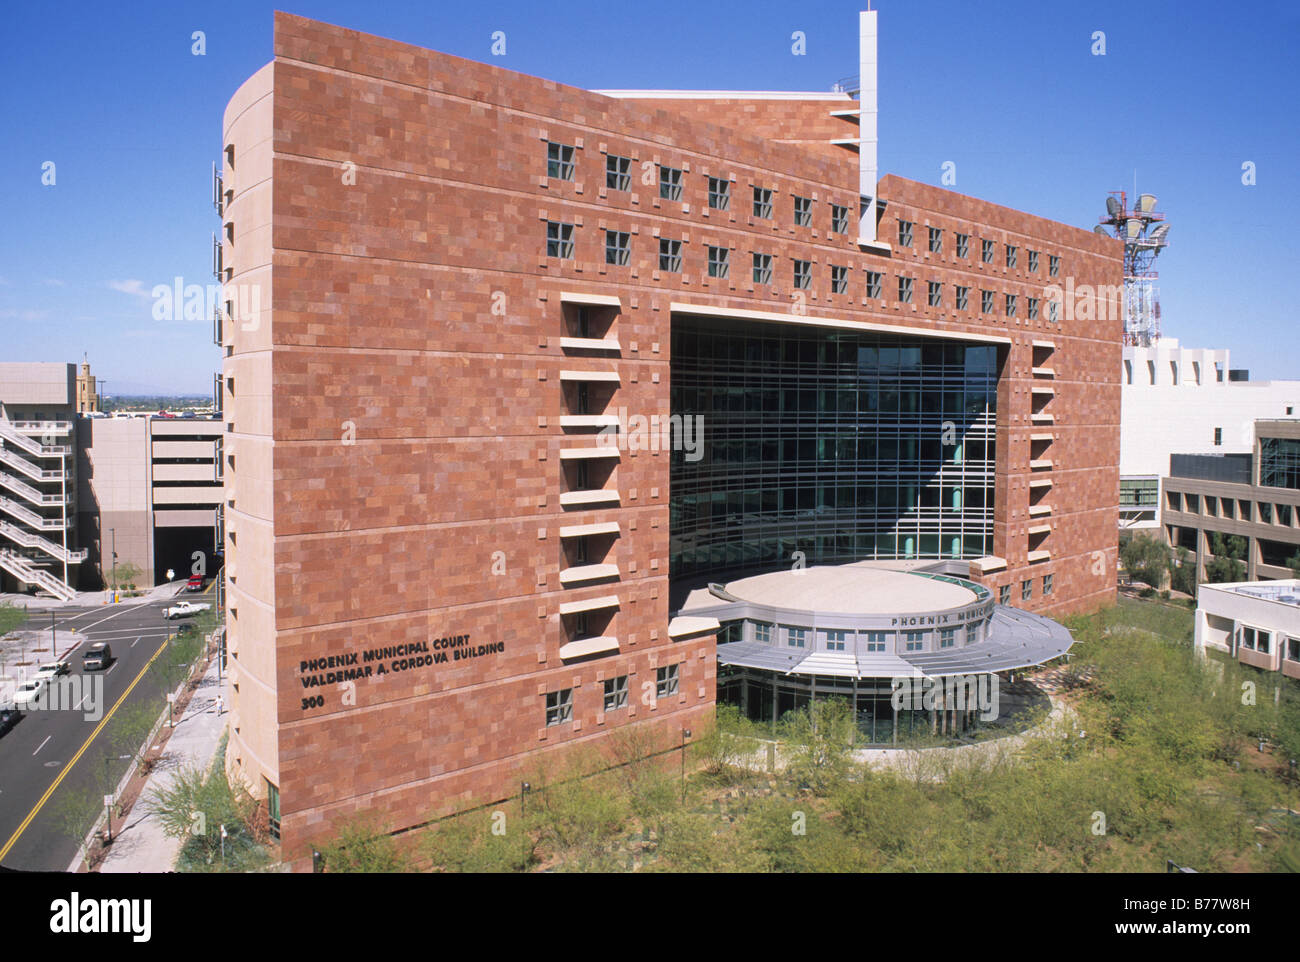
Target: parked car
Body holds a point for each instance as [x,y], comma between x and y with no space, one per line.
[195,583]
[183,609]
[9,718]
[97,656]
[30,692]
[53,669]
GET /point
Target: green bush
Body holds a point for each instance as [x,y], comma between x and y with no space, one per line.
[362,844]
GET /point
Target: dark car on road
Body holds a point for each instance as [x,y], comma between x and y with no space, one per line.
[97,656]
[9,718]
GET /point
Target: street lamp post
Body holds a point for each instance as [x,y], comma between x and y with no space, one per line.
[53,647]
[113,532]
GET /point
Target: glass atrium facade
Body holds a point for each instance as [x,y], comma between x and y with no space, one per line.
[1279,462]
[845,446]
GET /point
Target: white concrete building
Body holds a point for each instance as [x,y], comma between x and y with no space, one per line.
[1257,622]
[1177,400]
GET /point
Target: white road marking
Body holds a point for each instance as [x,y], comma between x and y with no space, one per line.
[42,744]
[134,643]
[113,615]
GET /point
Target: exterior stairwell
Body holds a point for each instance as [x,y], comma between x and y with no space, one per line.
[29,540]
[24,570]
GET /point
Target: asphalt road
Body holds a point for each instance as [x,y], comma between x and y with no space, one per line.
[64,747]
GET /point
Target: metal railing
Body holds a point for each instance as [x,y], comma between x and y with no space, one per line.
[29,540]
[24,570]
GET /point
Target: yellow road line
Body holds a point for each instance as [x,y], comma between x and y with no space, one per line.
[81,751]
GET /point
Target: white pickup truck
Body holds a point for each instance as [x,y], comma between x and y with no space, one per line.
[183,609]
[52,670]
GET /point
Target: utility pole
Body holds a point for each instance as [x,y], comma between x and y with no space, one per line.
[113,532]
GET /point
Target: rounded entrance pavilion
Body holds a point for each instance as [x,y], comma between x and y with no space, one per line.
[862,632]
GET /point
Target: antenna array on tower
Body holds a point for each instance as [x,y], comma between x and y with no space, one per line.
[1145,234]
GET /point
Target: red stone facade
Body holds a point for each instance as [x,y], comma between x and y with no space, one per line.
[393,456]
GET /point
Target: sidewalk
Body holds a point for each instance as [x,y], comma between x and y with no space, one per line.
[161,592]
[140,845]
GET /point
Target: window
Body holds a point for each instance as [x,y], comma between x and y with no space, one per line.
[875,282]
[1026,589]
[1053,311]
[796,637]
[986,251]
[836,640]
[905,290]
[1218,437]
[559,707]
[839,219]
[1013,256]
[719,262]
[1033,262]
[559,240]
[1004,595]
[1257,639]
[986,302]
[1293,649]
[666,681]
[615,693]
[719,193]
[876,641]
[802,275]
[618,172]
[559,161]
[762,632]
[947,637]
[963,298]
[762,268]
[963,245]
[904,233]
[803,211]
[670,183]
[935,293]
[1011,305]
[618,247]
[1033,308]
[936,240]
[670,255]
[1047,585]
[839,280]
[763,203]
[914,640]
[1053,265]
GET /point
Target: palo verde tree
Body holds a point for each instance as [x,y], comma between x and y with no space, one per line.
[1145,559]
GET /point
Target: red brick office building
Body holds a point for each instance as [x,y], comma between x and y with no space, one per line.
[438,574]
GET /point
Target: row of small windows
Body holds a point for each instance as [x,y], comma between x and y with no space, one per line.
[872,642]
[559,704]
[1026,590]
[1011,252]
[618,176]
[618,252]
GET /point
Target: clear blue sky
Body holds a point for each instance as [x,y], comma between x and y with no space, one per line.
[1009,92]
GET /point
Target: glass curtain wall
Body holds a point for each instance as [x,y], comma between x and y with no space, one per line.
[843,446]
